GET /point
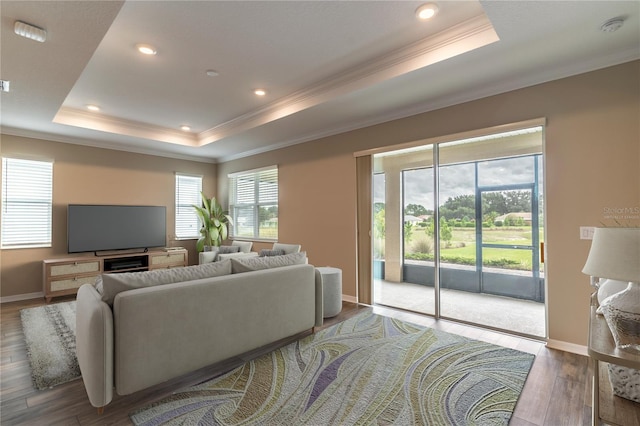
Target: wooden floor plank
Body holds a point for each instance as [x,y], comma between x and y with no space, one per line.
[557,388]
[568,410]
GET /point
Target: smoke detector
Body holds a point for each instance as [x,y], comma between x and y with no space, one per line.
[612,25]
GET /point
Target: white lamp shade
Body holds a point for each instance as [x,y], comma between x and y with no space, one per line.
[615,254]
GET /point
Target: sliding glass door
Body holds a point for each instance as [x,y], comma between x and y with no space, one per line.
[403,232]
[457,229]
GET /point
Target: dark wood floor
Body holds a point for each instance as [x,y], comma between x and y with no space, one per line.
[557,391]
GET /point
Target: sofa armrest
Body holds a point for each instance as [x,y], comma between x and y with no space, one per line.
[94,345]
[207,257]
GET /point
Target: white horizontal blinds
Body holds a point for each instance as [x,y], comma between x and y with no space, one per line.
[188,190]
[27,188]
[253,203]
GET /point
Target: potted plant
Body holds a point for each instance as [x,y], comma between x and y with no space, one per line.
[215,223]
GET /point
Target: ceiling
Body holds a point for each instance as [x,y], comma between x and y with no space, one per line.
[327,66]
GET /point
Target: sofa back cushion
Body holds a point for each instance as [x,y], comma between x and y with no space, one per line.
[288,248]
[245,246]
[248,264]
[113,284]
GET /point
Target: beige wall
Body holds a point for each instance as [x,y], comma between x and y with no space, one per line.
[84,175]
[592,163]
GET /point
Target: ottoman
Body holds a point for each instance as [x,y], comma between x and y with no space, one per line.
[331,290]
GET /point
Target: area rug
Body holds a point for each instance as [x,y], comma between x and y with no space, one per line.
[50,334]
[367,370]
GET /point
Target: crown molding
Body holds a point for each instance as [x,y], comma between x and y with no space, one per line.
[33,134]
[466,36]
[504,86]
[109,124]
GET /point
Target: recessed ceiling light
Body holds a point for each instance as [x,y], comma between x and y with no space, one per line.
[185,128]
[93,107]
[427,11]
[212,73]
[146,49]
[260,92]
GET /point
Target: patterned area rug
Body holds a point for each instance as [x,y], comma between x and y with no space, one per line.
[367,370]
[50,334]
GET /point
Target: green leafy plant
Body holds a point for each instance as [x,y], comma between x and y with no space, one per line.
[215,223]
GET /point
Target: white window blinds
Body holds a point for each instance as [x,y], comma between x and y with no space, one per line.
[188,190]
[27,199]
[253,203]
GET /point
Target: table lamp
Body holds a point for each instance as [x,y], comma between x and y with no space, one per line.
[615,254]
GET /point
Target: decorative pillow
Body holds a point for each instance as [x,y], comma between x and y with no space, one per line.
[267,252]
[247,264]
[228,249]
[113,284]
[245,246]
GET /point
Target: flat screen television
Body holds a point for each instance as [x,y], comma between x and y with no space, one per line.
[115,227]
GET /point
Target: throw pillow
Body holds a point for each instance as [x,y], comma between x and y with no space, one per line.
[228,249]
[257,263]
[267,252]
[113,284]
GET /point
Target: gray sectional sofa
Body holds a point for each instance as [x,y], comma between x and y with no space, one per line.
[155,333]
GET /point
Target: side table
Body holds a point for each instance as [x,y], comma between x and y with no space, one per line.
[331,290]
[602,348]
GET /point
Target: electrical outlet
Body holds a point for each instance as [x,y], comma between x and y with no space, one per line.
[586,232]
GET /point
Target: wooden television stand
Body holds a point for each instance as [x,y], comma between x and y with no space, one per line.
[64,276]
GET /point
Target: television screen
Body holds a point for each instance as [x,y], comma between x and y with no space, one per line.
[102,227]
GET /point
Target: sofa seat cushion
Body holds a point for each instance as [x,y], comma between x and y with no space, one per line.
[248,264]
[112,284]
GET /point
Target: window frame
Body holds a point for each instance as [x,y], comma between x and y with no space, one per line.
[258,201]
[38,239]
[197,201]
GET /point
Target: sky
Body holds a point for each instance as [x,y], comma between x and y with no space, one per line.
[459,179]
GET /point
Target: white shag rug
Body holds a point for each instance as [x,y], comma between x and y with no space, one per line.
[50,335]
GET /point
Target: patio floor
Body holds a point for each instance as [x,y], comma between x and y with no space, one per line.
[521,316]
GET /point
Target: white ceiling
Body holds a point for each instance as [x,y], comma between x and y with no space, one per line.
[328,66]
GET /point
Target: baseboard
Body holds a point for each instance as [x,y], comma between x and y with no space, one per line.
[567,347]
[19,297]
[351,299]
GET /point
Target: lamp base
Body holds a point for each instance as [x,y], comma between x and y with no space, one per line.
[622,313]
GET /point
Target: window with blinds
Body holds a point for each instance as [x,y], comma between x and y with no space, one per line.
[27,188]
[253,203]
[188,190]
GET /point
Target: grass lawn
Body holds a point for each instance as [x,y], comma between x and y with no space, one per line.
[463,246]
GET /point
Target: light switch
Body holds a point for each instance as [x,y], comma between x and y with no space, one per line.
[586,232]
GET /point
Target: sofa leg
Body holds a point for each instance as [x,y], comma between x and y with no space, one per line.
[313,330]
[100,410]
